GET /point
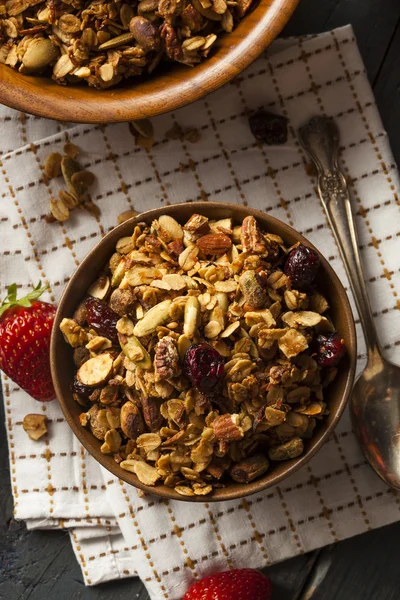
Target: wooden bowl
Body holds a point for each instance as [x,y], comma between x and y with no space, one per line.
[168,89]
[63,369]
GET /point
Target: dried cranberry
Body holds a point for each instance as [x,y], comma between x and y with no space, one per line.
[268,127]
[331,349]
[205,368]
[102,319]
[301,266]
[81,389]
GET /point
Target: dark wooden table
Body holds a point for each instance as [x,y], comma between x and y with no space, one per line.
[39,565]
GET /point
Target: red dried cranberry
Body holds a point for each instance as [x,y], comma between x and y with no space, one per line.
[301,266]
[331,349]
[268,127]
[81,389]
[205,367]
[102,319]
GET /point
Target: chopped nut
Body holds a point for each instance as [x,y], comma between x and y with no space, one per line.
[292,343]
[73,333]
[35,426]
[196,227]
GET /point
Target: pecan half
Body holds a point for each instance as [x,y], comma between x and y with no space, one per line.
[151,413]
[171,42]
[166,360]
[226,428]
[191,18]
[251,237]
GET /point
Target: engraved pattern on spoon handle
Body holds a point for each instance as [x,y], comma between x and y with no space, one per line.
[320,139]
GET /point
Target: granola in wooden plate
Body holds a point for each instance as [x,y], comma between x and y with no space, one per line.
[103,42]
[202,352]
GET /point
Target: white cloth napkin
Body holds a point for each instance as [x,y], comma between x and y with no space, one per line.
[55,483]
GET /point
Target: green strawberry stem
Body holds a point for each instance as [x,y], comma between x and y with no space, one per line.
[11,299]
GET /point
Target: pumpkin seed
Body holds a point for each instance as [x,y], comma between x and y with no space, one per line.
[120,40]
[39,53]
[69,167]
[158,315]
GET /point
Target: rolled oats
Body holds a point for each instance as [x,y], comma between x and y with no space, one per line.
[175,288]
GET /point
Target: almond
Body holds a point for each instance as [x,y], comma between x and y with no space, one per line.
[214,243]
[96,371]
[99,288]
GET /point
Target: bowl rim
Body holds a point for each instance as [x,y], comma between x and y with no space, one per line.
[254,486]
[80,104]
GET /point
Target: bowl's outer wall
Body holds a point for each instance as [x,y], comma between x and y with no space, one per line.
[63,369]
[166,90]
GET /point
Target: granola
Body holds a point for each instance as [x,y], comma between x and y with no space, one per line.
[103,43]
[197,359]
[75,178]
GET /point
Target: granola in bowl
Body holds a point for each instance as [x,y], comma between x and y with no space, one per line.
[103,43]
[202,353]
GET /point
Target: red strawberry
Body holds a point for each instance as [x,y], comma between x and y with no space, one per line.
[25,328]
[246,584]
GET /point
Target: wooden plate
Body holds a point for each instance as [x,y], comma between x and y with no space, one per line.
[63,370]
[166,90]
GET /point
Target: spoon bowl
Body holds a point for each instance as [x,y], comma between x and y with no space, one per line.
[375,410]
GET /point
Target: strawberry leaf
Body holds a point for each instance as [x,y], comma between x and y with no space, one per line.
[12,292]
[11,299]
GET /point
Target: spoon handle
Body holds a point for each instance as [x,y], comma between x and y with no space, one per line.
[320,139]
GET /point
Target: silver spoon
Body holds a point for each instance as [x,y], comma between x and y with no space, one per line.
[375,402]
